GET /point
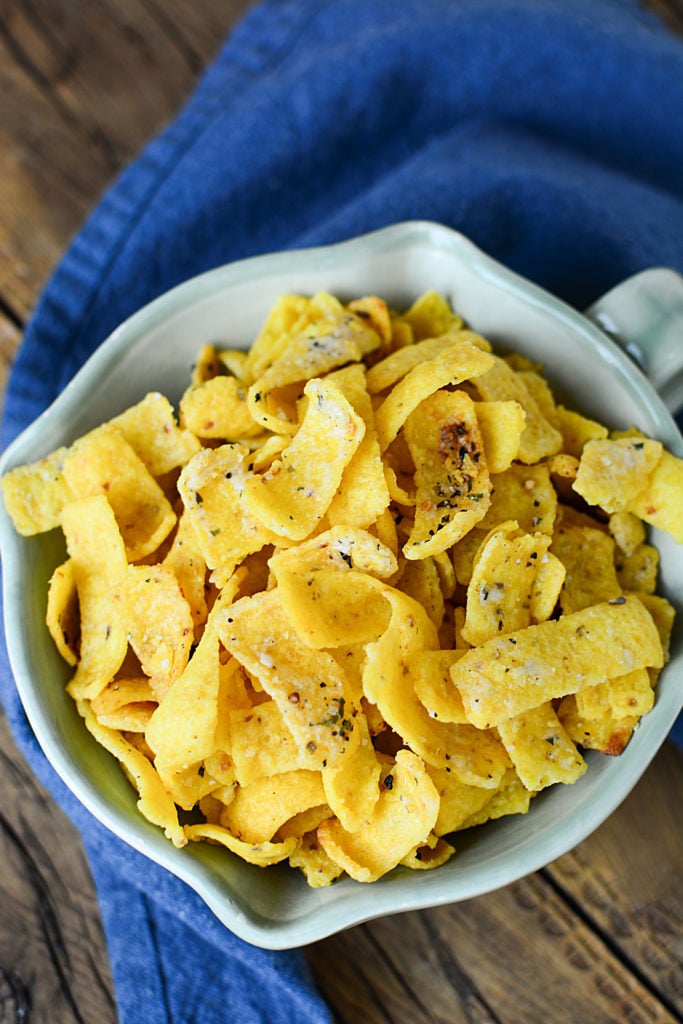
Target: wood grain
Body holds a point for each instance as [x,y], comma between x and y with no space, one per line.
[595,937]
[84,86]
[52,954]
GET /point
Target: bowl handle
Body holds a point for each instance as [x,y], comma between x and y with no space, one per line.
[644,314]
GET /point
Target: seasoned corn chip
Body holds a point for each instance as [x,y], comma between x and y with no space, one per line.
[260,808]
[403,818]
[505,590]
[309,686]
[211,487]
[104,463]
[100,568]
[262,854]
[373,587]
[322,347]
[292,497]
[453,484]
[63,614]
[611,472]
[507,676]
[540,749]
[217,408]
[501,425]
[459,362]
[35,495]
[500,383]
[431,314]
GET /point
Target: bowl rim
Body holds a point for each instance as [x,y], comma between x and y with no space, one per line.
[366,902]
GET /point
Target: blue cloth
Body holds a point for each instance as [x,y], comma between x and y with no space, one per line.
[548,132]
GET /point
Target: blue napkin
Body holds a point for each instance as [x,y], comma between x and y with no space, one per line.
[549,133]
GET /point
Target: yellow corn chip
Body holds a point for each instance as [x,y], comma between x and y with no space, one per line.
[608,734]
[431,314]
[293,496]
[663,614]
[501,595]
[104,463]
[659,503]
[207,366]
[588,557]
[639,570]
[421,581]
[234,360]
[627,530]
[341,548]
[363,494]
[507,676]
[352,784]
[287,317]
[457,801]
[431,675]
[540,749]
[310,858]
[621,697]
[613,473]
[35,495]
[403,818]
[217,409]
[323,346]
[185,728]
[99,565]
[329,608]
[211,486]
[62,616]
[303,823]
[461,361]
[152,432]
[525,494]
[185,560]
[405,358]
[261,854]
[125,704]
[501,425]
[159,622]
[260,808]
[310,688]
[511,797]
[577,430]
[500,383]
[432,854]
[261,744]
[453,483]
[387,682]
[375,312]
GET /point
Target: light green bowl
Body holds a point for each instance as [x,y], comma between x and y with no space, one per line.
[154,350]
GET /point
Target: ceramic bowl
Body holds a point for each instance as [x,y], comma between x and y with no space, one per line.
[154,350]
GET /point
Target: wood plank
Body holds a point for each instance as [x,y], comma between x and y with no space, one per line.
[52,951]
[629,886]
[670,12]
[10,336]
[512,955]
[73,112]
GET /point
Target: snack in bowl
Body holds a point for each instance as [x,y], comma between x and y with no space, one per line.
[373,585]
[153,351]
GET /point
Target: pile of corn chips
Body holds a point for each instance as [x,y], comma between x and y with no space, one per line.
[371,587]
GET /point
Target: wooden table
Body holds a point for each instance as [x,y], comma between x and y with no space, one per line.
[595,937]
